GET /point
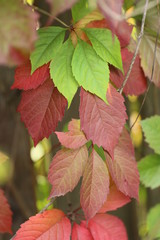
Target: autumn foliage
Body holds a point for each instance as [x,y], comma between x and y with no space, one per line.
[97,148]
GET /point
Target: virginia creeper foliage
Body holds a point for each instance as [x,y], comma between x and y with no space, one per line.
[91,55]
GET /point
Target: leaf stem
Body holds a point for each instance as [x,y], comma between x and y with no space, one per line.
[120,90]
[49,15]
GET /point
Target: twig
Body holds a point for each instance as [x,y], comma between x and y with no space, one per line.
[153,67]
[137,48]
[49,15]
[47,205]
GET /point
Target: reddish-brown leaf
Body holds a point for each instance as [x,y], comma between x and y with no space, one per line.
[100,122]
[112,11]
[51,224]
[122,31]
[81,232]
[74,138]
[123,168]
[5,214]
[66,169]
[60,6]
[115,199]
[105,226]
[95,185]
[41,109]
[17,32]
[24,80]
[136,83]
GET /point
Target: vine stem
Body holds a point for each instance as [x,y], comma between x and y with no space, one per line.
[120,90]
[49,15]
[153,67]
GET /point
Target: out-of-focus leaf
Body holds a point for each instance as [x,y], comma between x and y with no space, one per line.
[153,222]
[17,32]
[149,169]
[60,6]
[151,129]
[5,214]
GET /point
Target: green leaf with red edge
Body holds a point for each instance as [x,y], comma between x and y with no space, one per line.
[74,138]
[60,6]
[136,83]
[24,80]
[95,185]
[148,43]
[115,199]
[5,214]
[51,224]
[91,72]
[41,109]
[66,169]
[105,226]
[17,32]
[123,168]
[81,232]
[100,122]
[122,31]
[48,44]
[112,11]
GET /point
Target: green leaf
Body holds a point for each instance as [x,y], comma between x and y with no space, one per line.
[100,152]
[105,45]
[90,71]
[80,9]
[149,169]
[153,222]
[151,129]
[49,42]
[61,71]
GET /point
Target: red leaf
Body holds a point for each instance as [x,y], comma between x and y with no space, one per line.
[122,31]
[100,122]
[24,80]
[75,138]
[115,199]
[112,11]
[51,224]
[60,6]
[66,169]
[80,232]
[18,32]
[5,214]
[105,226]
[41,109]
[136,83]
[123,168]
[95,185]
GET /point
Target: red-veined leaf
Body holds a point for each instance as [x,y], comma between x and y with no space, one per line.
[100,122]
[136,83]
[80,232]
[112,11]
[24,80]
[74,138]
[66,169]
[123,168]
[17,32]
[5,214]
[122,31]
[51,224]
[95,185]
[115,199]
[105,226]
[41,109]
